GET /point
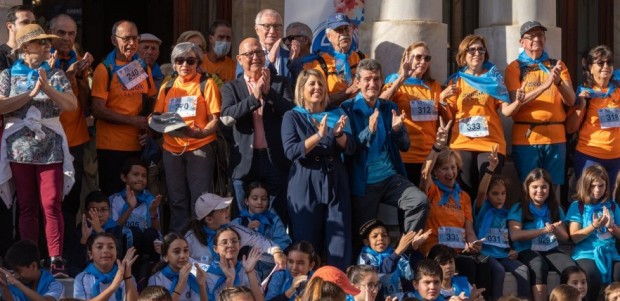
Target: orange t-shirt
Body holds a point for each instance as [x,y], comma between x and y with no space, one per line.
[548,107]
[121,137]
[470,104]
[74,122]
[335,79]
[205,106]
[447,215]
[224,69]
[421,131]
[598,142]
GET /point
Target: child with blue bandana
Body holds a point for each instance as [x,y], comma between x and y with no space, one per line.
[453,285]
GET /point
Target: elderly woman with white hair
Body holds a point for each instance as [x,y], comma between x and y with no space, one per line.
[188,156]
[35,160]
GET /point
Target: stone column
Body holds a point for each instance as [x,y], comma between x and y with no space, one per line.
[4,8]
[391,25]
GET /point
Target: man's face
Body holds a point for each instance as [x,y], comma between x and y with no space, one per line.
[149,52]
[222,33]
[340,38]
[269,30]
[66,29]
[126,39]
[534,40]
[370,83]
[23,18]
[251,56]
[296,36]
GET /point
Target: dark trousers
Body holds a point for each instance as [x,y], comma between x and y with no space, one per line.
[474,165]
[594,276]
[539,264]
[110,165]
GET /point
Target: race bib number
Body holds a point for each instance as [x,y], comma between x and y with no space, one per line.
[423,110]
[497,237]
[609,117]
[184,106]
[544,242]
[131,74]
[452,237]
[473,127]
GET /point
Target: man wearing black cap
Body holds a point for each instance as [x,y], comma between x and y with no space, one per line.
[340,62]
[542,86]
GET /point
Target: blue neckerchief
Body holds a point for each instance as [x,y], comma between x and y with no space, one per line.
[603,248]
[64,64]
[210,237]
[491,82]
[265,218]
[104,278]
[597,94]
[455,192]
[380,256]
[45,280]
[377,144]
[541,216]
[174,277]
[109,224]
[144,197]
[419,297]
[332,117]
[341,60]
[460,285]
[216,269]
[156,72]
[484,223]
[524,61]
[32,75]
[411,81]
[110,61]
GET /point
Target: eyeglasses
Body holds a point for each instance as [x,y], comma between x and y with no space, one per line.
[191,61]
[225,243]
[250,54]
[538,35]
[43,42]
[601,64]
[268,27]
[288,39]
[472,50]
[126,39]
[419,57]
[372,286]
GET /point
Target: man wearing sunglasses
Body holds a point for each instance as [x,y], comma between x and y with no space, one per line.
[122,87]
[298,41]
[542,86]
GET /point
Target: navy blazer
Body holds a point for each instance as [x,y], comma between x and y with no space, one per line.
[237,108]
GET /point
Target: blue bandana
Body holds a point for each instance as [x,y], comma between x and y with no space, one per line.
[110,61]
[597,94]
[333,116]
[603,248]
[525,60]
[265,218]
[411,81]
[342,64]
[484,224]
[491,82]
[174,277]
[104,278]
[377,144]
[45,280]
[64,64]
[144,197]
[455,192]
[32,75]
[156,72]
[216,269]
[541,215]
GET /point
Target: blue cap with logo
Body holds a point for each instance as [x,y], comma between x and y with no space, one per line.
[336,20]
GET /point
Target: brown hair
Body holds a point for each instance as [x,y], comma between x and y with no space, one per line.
[465,43]
[597,52]
[590,174]
[612,288]
[229,293]
[186,35]
[427,74]
[302,79]
[318,289]
[155,293]
[552,201]
[564,292]
[444,156]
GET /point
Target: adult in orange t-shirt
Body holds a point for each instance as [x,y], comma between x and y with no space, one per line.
[121,120]
[216,60]
[189,161]
[473,97]
[415,92]
[599,104]
[450,215]
[542,87]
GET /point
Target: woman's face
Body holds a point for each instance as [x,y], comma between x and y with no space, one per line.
[185,65]
[314,92]
[597,189]
[299,263]
[228,245]
[602,68]
[369,285]
[475,55]
[447,172]
[177,255]
[103,253]
[38,49]
[198,41]
[419,63]
[538,191]
[578,281]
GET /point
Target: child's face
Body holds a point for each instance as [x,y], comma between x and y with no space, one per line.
[27,274]
[378,239]
[227,245]
[428,287]
[103,253]
[578,281]
[258,200]
[299,263]
[102,209]
[369,283]
[136,178]
[242,297]
[497,195]
[538,191]
[219,217]
[613,296]
[177,255]
[597,189]
[446,173]
[448,268]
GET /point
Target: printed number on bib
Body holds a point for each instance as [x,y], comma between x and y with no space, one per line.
[184,106]
[473,127]
[544,242]
[423,110]
[609,117]
[452,237]
[131,74]
[497,237]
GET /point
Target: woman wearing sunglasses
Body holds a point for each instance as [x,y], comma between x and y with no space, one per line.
[599,104]
[189,158]
[414,91]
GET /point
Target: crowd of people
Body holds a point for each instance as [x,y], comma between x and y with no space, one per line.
[261,177]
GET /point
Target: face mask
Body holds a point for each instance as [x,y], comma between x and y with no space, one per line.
[221,48]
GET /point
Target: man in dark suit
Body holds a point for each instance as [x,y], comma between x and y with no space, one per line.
[253,105]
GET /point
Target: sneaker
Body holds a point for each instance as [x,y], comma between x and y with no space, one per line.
[58,269]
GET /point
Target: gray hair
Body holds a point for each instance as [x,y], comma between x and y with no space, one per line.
[184,48]
[303,29]
[368,64]
[52,23]
[117,24]
[268,12]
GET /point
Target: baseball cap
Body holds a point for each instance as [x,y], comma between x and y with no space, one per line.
[147,37]
[336,20]
[209,202]
[336,276]
[529,25]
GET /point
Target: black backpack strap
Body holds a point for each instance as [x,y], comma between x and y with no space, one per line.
[360,54]
[322,63]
